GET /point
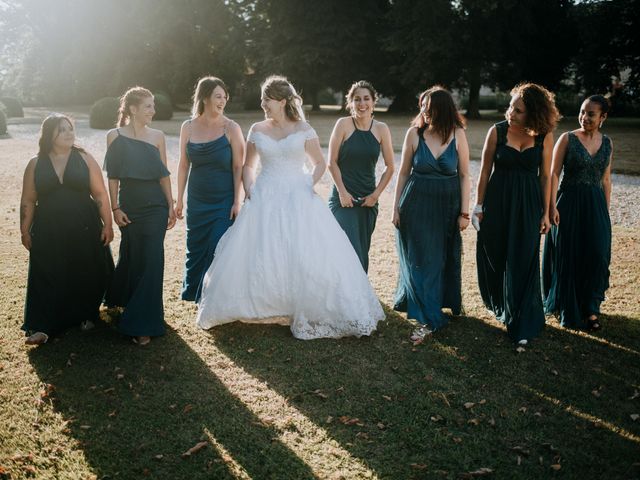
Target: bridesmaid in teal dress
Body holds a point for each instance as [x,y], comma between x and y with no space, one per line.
[354,148]
[66,226]
[431,208]
[512,210]
[142,206]
[211,153]
[577,253]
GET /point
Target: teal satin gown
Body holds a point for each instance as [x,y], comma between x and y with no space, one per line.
[357,160]
[428,239]
[508,246]
[577,252]
[209,200]
[138,278]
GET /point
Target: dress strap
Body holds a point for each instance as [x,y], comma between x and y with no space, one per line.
[354,123]
[371,126]
[190,130]
[118,131]
[501,130]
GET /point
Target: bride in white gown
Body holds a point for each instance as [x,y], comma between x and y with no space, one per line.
[286,259]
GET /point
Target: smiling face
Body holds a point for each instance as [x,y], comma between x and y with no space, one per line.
[591,116]
[517,112]
[144,111]
[362,104]
[63,136]
[217,100]
[272,107]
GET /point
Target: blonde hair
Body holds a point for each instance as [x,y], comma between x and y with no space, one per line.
[277,87]
[131,97]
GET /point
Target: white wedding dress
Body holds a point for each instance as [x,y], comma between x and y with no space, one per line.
[285,259]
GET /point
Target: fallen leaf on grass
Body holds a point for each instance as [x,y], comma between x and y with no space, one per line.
[469,405]
[636,394]
[187,408]
[634,416]
[556,466]
[85,427]
[595,393]
[474,421]
[418,466]
[195,449]
[457,440]
[387,398]
[120,376]
[481,472]
[159,457]
[112,414]
[521,349]
[109,390]
[522,409]
[350,421]
[329,419]
[320,393]
[520,450]
[381,425]
[492,421]
[251,350]
[436,418]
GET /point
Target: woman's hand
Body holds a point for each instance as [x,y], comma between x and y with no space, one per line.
[106,235]
[26,240]
[545,225]
[395,218]
[179,209]
[463,222]
[346,200]
[369,201]
[120,218]
[554,216]
[171,221]
[235,210]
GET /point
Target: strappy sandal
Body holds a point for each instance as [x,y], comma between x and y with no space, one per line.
[419,333]
[37,338]
[593,324]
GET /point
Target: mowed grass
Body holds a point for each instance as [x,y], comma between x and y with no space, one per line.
[261,404]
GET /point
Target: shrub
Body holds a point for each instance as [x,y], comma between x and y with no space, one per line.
[164,109]
[13,107]
[104,113]
[3,123]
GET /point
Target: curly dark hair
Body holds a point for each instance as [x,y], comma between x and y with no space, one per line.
[542,113]
[352,91]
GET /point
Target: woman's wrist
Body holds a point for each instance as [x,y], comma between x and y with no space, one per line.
[464,215]
[116,208]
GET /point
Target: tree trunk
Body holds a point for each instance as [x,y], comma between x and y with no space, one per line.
[403,102]
[315,101]
[473,108]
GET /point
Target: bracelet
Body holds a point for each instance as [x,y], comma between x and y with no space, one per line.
[114,209]
[464,215]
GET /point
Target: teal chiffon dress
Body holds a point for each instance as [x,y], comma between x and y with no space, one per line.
[138,278]
[69,267]
[508,246]
[428,239]
[357,160]
[209,200]
[577,253]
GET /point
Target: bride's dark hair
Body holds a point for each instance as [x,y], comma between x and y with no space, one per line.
[278,87]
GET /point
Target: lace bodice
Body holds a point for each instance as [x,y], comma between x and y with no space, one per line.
[285,156]
[580,168]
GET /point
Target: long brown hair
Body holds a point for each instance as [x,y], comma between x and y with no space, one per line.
[352,92]
[443,115]
[132,97]
[204,89]
[49,130]
[542,113]
[278,87]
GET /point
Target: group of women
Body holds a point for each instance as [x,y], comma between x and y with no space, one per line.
[263,247]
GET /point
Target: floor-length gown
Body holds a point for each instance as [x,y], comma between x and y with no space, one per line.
[428,239]
[286,258]
[138,278]
[69,267]
[508,247]
[209,200]
[357,160]
[577,252]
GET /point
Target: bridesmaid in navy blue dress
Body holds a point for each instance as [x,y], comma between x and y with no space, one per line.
[140,190]
[431,208]
[577,253]
[354,148]
[211,153]
[512,210]
[66,226]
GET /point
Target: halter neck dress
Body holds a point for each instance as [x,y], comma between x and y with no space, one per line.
[357,160]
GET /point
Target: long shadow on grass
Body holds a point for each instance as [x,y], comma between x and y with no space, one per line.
[134,411]
[463,400]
